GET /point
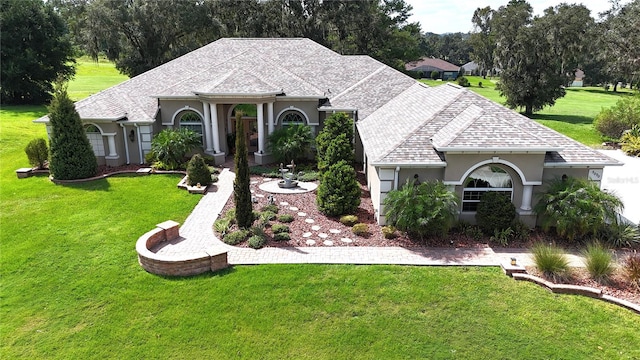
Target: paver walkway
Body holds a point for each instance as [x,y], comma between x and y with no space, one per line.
[197,235]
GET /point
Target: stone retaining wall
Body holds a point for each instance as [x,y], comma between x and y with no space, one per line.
[188,265]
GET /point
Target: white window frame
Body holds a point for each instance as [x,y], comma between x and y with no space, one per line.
[95,139]
[476,199]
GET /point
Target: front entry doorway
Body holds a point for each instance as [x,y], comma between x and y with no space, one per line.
[250,123]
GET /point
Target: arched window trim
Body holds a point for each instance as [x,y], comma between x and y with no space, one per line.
[95,138]
[181,110]
[471,194]
[291,108]
[195,125]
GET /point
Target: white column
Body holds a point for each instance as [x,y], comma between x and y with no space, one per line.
[111,139]
[214,128]
[270,120]
[207,128]
[527,192]
[260,108]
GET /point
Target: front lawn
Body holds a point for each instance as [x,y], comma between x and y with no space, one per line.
[572,115]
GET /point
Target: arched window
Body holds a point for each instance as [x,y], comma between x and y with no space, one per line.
[192,121]
[483,179]
[95,138]
[291,117]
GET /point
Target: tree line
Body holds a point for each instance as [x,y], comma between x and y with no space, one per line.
[536,56]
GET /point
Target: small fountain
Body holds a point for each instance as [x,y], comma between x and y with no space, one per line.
[288,176]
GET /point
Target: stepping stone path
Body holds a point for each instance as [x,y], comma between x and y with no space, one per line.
[334,231]
[310,221]
[346,240]
[284,203]
[311,242]
[306,235]
[254,182]
[302,214]
[323,235]
[260,195]
[328,242]
[315,227]
[293,208]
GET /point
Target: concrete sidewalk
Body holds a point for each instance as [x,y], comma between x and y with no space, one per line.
[197,236]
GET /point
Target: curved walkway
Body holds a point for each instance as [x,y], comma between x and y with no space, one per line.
[196,235]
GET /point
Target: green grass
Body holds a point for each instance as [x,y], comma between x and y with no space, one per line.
[71,288]
[572,115]
[92,77]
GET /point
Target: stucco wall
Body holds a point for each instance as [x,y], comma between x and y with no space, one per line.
[424,174]
[531,165]
[170,107]
[373,182]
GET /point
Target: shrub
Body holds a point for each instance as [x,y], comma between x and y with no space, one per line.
[576,208]
[281,236]
[427,208]
[171,145]
[257,231]
[214,179]
[502,236]
[389,232]
[630,143]
[435,74]
[273,208]
[360,229]
[463,81]
[256,242]
[474,232]
[236,237]
[521,231]
[620,235]
[222,226]
[612,122]
[198,171]
[551,261]
[631,269]
[285,218]
[290,143]
[479,83]
[231,215]
[495,212]
[150,158]
[308,176]
[267,216]
[339,191]
[72,156]
[349,220]
[598,261]
[37,152]
[241,192]
[340,148]
[280,228]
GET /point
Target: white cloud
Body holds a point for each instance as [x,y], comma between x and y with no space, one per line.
[445,16]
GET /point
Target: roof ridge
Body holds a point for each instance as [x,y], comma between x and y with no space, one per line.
[451,125]
[418,127]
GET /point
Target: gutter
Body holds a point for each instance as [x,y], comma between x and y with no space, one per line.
[126,143]
[139,144]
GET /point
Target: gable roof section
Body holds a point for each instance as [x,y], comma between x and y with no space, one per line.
[438,64]
[428,122]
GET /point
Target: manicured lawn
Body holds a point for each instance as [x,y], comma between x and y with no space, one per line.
[572,115]
[92,77]
[71,288]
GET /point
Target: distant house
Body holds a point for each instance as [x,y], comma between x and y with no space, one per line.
[426,66]
[471,68]
[578,81]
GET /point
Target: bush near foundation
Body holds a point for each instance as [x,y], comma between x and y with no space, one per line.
[495,212]
[37,152]
[198,171]
[339,191]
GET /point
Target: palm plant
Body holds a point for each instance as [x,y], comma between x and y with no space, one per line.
[427,208]
[170,146]
[290,143]
[577,208]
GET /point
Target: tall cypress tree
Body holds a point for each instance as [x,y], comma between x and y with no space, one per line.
[72,156]
[241,193]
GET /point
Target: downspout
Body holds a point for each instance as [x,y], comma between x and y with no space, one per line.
[395,178]
[126,143]
[139,144]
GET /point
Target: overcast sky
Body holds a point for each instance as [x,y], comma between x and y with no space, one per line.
[447,16]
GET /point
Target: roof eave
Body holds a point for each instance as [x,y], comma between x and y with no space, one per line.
[554,164]
[256,95]
[512,150]
[442,164]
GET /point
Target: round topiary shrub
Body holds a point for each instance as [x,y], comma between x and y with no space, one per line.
[198,171]
[389,232]
[37,152]
[349,220]
[235,237]
[462,81]
[271,208]
[280,228]
[256,242]
[285,218]
[282,237]
[495,212]
[360,229]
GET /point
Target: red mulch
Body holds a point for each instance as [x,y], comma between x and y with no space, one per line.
[307,203]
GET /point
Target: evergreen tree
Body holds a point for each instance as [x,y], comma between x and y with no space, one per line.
[241,193]
[337,134]
[339,191]
[198,172]
[72,156]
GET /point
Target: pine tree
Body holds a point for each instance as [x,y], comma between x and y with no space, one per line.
[72,156]
[338,134]
[241,193]
[339,191]
[198,172]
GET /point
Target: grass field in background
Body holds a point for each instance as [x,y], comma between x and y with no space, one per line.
[572,115]
[71,287]
[92,77]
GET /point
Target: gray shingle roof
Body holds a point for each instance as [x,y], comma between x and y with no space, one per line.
[421,123]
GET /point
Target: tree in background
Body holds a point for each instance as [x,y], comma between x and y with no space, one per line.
[241,192]
[482,40]
[35,51]
[71,154]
